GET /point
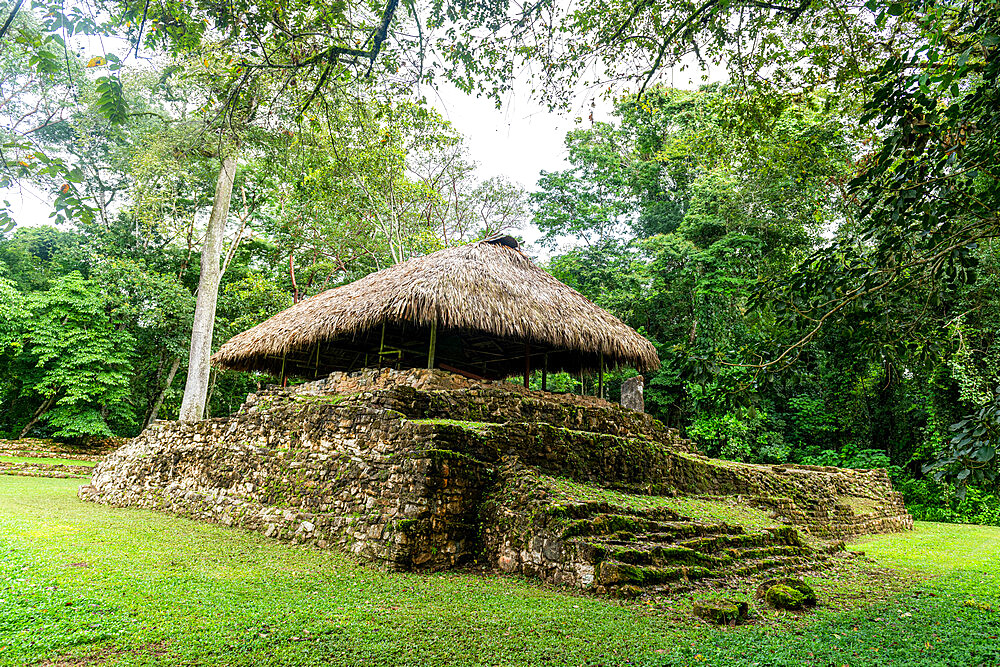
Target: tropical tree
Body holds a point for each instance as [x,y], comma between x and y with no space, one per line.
[678,223]
[75,362]
[13,320]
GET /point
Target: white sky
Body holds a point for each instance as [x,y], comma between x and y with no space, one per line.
[523,137]
[517,141]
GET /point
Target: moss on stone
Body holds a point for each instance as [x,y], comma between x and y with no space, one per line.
[681,555]
[859,505]
[614,572]
[721,612]
[682,507]
[801,588]
[439,454]
[634,556]
[626,591]
[321,399]
[604,524]
[475,426]
[781,596]
[408,526]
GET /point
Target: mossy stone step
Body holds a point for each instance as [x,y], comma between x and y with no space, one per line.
[588,509]
[594,509]
[672,531]
[757,553]
[672,543]
[612,524]
[780,563]
[660,555]
[630,579]
[607,524]
[613,572]
[724,542]
[642,553]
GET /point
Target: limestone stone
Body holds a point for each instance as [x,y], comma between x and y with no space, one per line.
[632,394]
[774,593]
[781,596]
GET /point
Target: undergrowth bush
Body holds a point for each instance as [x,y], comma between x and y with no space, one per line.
[928,500]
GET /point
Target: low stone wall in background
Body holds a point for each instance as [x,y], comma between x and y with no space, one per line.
[47,458]
[38,447]
[412,469]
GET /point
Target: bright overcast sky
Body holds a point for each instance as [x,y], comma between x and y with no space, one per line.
[523,137]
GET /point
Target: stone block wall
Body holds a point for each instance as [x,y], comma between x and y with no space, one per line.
[412,469]
[378,379]
[336,473]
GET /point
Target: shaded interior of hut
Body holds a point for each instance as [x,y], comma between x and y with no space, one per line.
[473,354]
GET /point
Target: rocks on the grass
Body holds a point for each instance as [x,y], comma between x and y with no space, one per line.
[787,593]
[722,611]
[627,591]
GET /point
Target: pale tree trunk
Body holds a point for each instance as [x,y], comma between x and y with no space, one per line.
[196,388]
[211,390]
[159,399]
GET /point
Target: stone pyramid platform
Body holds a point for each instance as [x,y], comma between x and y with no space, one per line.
[423,469]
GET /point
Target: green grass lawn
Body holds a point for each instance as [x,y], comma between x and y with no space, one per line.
[32,459]
[131,587]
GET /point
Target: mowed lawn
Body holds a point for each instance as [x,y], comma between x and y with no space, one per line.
[87,584]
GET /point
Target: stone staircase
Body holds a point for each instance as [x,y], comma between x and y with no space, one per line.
[628,549]
[672,555]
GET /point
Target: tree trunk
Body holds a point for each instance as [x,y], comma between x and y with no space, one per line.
[159,399]
[211,390]
[196,388]
[42,409]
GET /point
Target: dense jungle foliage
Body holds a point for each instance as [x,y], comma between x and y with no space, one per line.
[811,246]
[679,228]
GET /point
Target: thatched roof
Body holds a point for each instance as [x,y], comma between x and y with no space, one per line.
[484,295]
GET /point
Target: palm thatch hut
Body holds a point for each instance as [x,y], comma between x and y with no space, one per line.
[483,310]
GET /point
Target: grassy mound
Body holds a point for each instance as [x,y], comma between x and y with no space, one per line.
[47,461]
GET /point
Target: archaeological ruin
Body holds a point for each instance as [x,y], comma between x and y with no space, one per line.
[408,447]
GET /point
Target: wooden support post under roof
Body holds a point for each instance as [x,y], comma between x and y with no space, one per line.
[600,378]
[434,336]
[381,346]
[527,363]
[545,371]
[284,380]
